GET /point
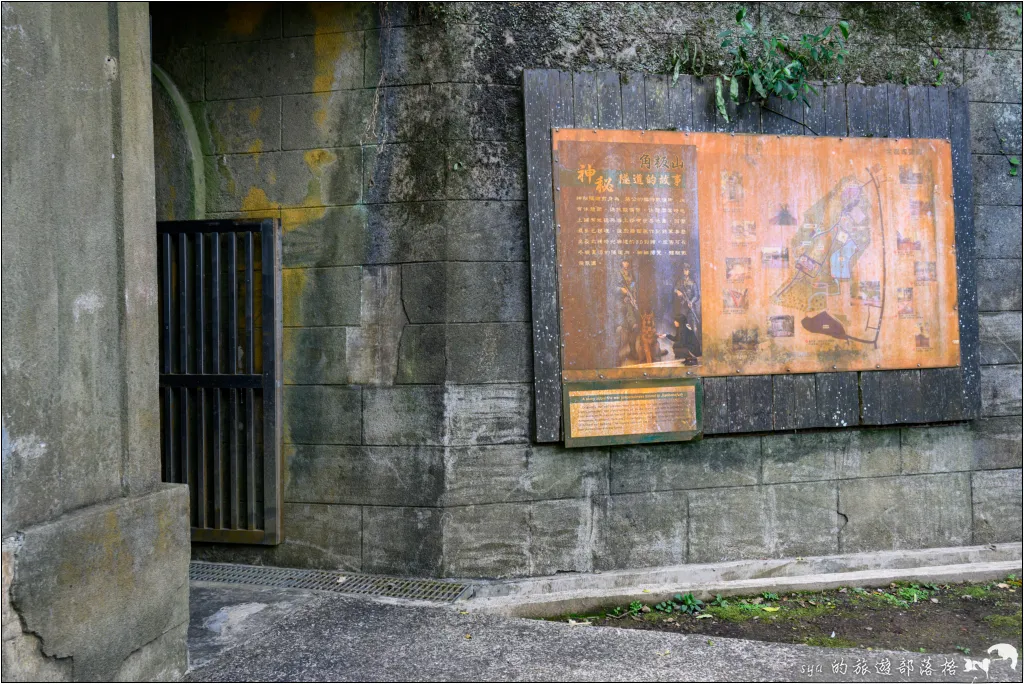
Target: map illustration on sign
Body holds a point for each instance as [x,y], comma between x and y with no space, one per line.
[757,255]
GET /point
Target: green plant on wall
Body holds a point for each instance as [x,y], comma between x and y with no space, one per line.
[691,56]
[776,64]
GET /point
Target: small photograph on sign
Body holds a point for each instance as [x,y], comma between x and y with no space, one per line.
[907,245]
[925,272]
[775,257]
[922,340]
[905,302]
[736,301]
[737,269]
[745,340]
[780,326]
[743,232]
[732,186]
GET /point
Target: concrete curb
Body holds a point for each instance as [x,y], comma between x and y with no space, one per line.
[547,597]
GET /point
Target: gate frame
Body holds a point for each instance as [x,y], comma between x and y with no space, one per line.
[271,382]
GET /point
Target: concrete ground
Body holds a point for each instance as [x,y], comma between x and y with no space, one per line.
[243,633]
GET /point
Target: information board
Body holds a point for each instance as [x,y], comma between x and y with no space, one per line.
[710,254]
[614,411]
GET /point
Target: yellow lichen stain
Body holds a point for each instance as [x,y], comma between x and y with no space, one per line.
[256,146]
[328,46]
[317,159]
[293,219]
[320,115]
[293,282]
[254,115]
[244,17]
[257,200]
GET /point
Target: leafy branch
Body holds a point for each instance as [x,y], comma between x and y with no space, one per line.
[784,65]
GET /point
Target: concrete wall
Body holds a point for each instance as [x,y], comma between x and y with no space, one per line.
[390,145]
[95,548]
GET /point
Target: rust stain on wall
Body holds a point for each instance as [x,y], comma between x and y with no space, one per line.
[244,17]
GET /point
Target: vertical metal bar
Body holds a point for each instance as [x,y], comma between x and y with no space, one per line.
[183,353]
[232,303]
[250,417]
[249,298]
[272,486]
[250,451]
[232,369]
[201,484]
[165,346]
[215,334]
[233,446]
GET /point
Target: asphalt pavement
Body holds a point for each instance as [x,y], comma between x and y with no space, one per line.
[243,633]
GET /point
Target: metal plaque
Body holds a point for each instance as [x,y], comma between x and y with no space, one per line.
[617,412]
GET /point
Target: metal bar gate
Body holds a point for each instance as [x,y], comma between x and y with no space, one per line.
[220,388]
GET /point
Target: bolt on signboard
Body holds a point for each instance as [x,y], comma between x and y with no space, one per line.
[688,255]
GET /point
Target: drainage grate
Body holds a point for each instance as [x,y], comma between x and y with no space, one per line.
[327,580]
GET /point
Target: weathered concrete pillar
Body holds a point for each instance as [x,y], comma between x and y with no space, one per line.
[95,548]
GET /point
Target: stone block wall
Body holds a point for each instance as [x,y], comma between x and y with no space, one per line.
[388,139]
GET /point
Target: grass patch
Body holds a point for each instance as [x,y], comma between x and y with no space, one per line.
[920,616]
[976,592]
[741,612]
[1011,623]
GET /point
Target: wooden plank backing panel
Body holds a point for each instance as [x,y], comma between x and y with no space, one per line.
[584,91]
[814,113]
[899,111]
[750,403]
[856,110]
[634,104]
[794,402]
[835,111]
[541,90]
[716,406]
[680,104]
[609,100]
[656,102]
[704,112]
[836,399]
[877,105]
[967,293]
[782,116]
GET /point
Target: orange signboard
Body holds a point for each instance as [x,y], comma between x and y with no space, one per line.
[685,254]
